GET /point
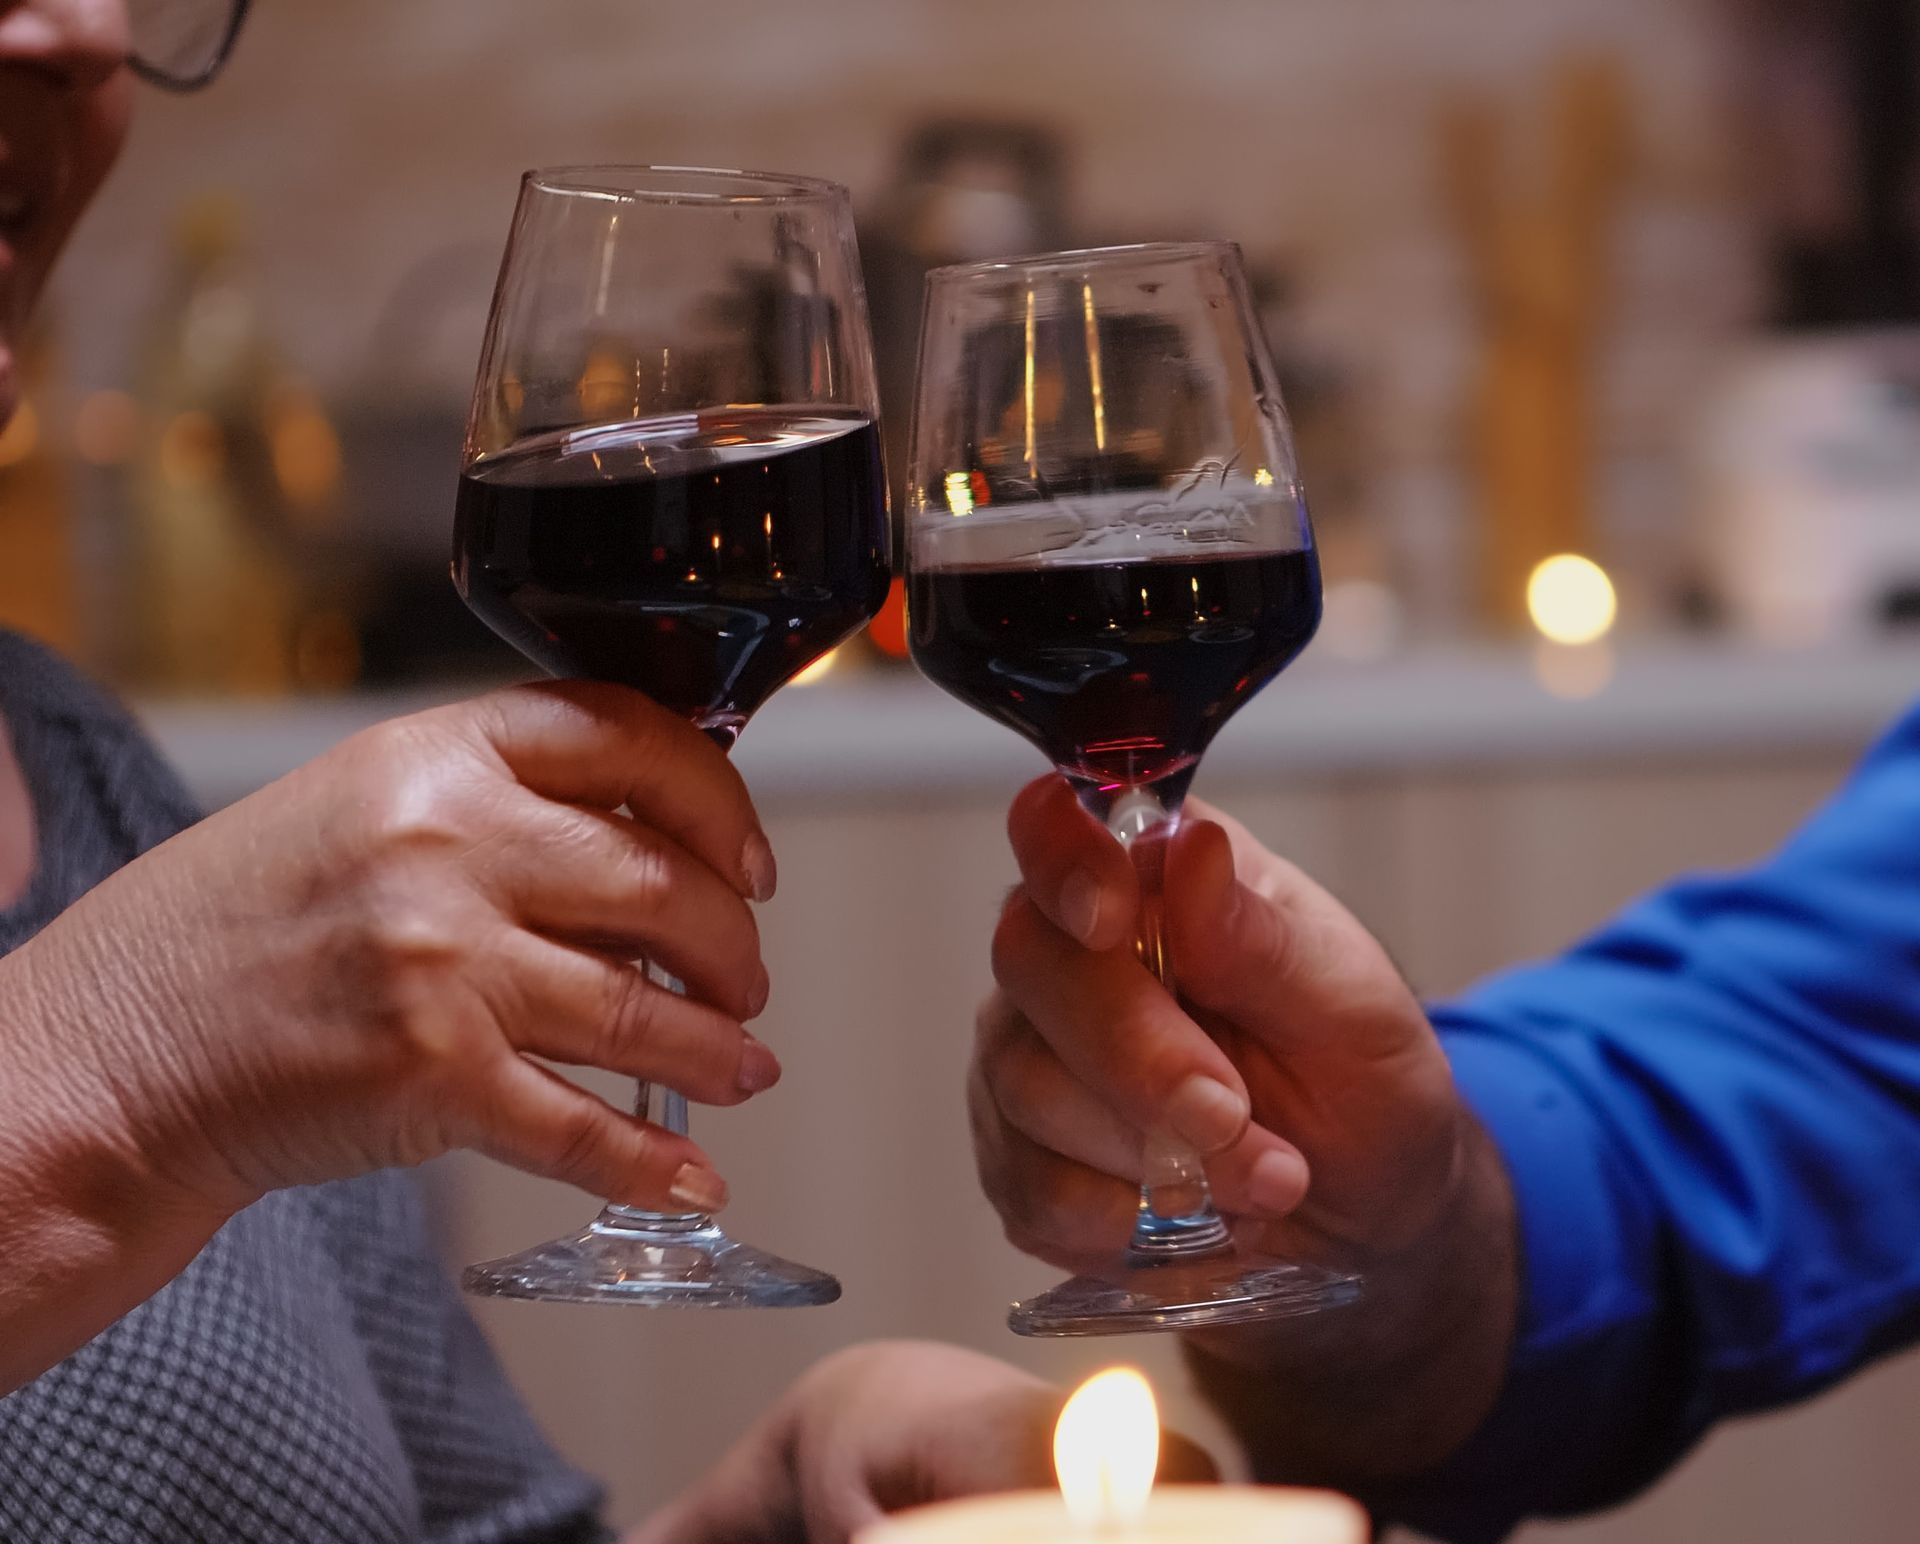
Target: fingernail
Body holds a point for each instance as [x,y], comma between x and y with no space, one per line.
[1080,905]
[1207,1113]
[759,1067]
[698,1188]
[1276,1183]
[757,864]
[758,993]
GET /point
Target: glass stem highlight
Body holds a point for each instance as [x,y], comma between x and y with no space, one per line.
[667,1109]
[1177,1219]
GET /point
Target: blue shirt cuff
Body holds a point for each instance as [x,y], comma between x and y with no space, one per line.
[1553,1441]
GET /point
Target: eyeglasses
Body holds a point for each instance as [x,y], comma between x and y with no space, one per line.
[180,45]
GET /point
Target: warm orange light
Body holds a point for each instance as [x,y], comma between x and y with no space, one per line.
[1106,1448]
[889,629]
[21,437]
[306,451]
[193,451]
[819,670]
[1571,599]
[606,385]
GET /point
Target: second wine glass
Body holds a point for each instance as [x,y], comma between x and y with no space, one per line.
[1108,551]
[673,482]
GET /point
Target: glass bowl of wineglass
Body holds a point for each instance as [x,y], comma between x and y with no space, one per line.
[672,480]
[1108,551]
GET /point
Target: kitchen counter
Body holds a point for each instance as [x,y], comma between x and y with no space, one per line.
[889,735]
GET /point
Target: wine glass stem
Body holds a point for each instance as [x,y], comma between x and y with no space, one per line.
[667,1109]
[663,1107]
[1177,1219]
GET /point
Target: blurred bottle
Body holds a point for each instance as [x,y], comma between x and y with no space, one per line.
[1539,259]
[962,190]
[235,498]
[38,590]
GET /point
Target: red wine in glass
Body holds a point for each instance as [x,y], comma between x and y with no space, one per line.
[704,560]
[1121,673]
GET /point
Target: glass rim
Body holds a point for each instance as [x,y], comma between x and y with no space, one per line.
[636,183]
[1140,253]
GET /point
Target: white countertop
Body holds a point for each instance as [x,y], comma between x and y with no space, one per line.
[887,735]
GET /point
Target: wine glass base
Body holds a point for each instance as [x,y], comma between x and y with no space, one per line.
[1231,1286]
[672,1265]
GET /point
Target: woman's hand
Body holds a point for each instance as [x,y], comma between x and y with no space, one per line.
[874,1430]
[358,966]
[1304,1070]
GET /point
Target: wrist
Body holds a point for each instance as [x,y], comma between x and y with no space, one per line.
[87,1127]
[1395,1384]
[90,1227]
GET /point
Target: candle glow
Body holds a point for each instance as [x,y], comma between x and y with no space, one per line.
[1106,1448]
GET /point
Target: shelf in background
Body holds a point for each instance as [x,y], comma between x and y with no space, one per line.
[889,735]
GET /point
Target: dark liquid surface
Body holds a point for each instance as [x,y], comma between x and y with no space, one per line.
[1120,673]
[704,562]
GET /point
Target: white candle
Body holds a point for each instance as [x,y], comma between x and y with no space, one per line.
[1105,1451]
[1176,1514]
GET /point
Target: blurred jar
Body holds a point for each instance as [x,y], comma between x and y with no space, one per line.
[1808,473]
[39,590]
[1807,457]
[234,584]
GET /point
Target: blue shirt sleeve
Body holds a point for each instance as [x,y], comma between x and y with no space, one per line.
[1711,1115]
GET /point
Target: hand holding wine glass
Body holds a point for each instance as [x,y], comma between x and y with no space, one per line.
[1383,1165]
[673,482]
[1109,552]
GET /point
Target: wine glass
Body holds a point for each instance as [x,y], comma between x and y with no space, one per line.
[1108,551]
[672,480]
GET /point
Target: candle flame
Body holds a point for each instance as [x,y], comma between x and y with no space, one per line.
[1106,1448]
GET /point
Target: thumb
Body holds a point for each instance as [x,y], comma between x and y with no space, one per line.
[1258,943]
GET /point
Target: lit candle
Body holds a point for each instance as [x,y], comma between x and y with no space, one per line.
[1105,1451]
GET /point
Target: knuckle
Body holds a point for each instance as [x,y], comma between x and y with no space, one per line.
[1017,1087]
[1011,935]
[580,1145]
[647,878]
[995,1023]
[631,1019]
[395,963]
[405,934]
[413,813]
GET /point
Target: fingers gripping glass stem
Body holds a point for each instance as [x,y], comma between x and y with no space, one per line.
[666,1108]
[661,1259]
[1177,1217]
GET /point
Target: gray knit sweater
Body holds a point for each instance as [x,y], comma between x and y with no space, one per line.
[312,1375]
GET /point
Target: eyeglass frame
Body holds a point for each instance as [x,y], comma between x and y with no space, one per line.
[168,80]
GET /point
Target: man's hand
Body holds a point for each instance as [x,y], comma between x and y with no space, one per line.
[875,1430]
[1302,1067]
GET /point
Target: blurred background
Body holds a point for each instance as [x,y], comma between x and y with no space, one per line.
[1597,319]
